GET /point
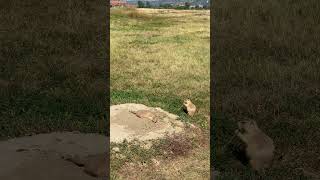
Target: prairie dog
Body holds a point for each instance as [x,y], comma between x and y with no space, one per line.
[189,107]
[145,114]
[260,147]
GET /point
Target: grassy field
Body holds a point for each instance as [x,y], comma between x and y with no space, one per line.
[267,68]
[52,73]
[159,58]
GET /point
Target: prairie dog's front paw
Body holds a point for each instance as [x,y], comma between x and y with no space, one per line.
[237,132]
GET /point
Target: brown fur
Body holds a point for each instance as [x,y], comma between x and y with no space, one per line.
[260,147]
[189,107]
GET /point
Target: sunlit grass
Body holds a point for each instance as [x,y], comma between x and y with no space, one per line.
[159,58]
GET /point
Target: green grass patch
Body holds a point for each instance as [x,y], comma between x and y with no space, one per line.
[160,65]
[52,67]
[167,102]
[267,61]
[158,59]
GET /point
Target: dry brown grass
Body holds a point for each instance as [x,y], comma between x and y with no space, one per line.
[194,166]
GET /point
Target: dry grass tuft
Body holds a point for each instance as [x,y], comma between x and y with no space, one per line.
[178,145]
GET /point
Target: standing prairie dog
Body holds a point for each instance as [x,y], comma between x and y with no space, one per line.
[189,107]
[260,147]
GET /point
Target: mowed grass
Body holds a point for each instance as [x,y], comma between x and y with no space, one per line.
[159,58]
[52,73]
[267,69]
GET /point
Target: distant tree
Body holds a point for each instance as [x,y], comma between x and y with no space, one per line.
[166,6]
[148,5]
[140,4]
[187,4]
[180,7]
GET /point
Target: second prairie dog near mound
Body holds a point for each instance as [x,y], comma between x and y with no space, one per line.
[189,107]
[260,147]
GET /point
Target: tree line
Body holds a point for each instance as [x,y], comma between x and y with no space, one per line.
[187,5]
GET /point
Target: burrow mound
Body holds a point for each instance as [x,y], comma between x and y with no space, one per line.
[125,125]
[41,156]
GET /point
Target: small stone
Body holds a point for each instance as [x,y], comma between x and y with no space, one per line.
[143,164]
[147,145]
[155,162]
[116,149]
[120,156]
[191,126]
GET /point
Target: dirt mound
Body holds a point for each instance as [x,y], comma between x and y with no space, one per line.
[40,156]
[124,124]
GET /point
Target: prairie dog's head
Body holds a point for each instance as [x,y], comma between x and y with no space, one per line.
[187,102]
[248,126]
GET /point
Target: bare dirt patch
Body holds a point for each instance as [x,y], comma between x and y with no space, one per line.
[126,125]
[193,166]
[175,149]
